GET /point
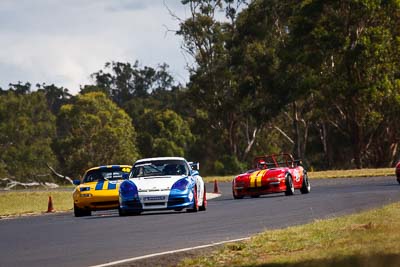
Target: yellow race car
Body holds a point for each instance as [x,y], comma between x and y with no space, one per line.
[99,189]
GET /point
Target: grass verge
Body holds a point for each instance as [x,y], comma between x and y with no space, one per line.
[16,203]
[324,174]
[370,238]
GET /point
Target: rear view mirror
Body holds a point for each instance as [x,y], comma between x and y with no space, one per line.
[298,162]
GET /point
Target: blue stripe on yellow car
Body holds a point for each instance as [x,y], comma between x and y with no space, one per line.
[112,185]
[99,185]
[103,185]
[103,168]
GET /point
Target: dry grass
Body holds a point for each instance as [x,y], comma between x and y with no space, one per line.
[352,173]
[15,203]
[367,239]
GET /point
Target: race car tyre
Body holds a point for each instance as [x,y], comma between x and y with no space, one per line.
[289,185]
[255,196]
[122,212]
[236,196]
[306,186]
[78,212]
[203,206]
[195,207]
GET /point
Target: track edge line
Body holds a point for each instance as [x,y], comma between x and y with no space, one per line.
[112,263]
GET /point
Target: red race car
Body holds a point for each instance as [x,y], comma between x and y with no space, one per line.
[274,173]
[398,171]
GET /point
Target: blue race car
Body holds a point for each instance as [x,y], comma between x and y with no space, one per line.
[165,183]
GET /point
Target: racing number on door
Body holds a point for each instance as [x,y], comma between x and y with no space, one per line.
[296,175]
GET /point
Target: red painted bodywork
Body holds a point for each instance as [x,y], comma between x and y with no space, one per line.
[269,177]
[398,171]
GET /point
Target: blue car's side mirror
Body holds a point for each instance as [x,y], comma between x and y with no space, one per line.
[77,182]
[194,173]
[195,165]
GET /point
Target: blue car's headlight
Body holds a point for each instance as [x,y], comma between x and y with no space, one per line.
[127,188]
[181,185]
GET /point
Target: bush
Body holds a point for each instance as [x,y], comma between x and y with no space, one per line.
[228,165]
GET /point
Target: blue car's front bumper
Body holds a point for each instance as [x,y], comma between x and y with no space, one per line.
[175,200]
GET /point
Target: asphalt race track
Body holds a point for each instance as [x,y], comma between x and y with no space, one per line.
[63,240]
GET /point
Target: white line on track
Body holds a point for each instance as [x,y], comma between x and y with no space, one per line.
[168,252]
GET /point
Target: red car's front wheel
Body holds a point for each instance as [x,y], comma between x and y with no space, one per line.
[236,196]
[289,185]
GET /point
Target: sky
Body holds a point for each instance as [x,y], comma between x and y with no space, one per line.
[62,42]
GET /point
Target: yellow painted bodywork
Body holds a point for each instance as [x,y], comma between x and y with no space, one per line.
[98,195]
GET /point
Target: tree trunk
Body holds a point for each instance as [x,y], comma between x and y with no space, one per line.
[323,133]
[297,146]
[356,141]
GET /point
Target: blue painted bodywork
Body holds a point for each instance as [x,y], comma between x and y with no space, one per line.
[178,197]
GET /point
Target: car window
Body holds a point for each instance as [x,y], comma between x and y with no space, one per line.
[105,174]
[162,168]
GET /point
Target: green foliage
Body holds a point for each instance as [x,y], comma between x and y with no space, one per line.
[27,129]
[227,108]
[351,48]
[56,96]
[94,131]
[125,81]
[324,73]
[228,165]
[163,133]
[319,79]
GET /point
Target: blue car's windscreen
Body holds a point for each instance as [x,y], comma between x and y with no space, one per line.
[159,168]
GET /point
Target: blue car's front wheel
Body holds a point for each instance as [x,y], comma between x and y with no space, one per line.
[195,206]
[203,207]
[123,212]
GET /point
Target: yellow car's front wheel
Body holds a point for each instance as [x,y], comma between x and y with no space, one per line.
[78,212]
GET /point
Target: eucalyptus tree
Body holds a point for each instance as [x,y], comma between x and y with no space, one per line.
[56,96]
[213,88]
[94,131]
[27,129]
[239,82]
[125,81]
[353,50]
[163,133]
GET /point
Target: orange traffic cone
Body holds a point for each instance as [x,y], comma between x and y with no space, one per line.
[50,205]
[216,189]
